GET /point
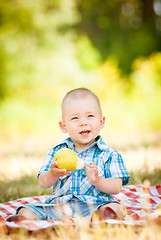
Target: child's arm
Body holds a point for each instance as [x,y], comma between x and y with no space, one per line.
[49,178]
[106,185]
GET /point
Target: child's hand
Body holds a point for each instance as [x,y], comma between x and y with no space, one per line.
[92,173]
[57,172]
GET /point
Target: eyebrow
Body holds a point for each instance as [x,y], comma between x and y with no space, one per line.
[76,114]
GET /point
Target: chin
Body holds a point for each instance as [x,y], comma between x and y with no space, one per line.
[89,142]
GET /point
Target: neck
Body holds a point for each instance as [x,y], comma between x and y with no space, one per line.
[81,148]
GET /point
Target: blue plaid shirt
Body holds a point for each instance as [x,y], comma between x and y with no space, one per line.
[76,184]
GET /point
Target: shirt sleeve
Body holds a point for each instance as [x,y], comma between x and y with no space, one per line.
[115,168]
[47,162]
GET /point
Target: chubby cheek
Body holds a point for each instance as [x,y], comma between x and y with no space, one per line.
[72,129]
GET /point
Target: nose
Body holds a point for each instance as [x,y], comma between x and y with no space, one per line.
[83,122]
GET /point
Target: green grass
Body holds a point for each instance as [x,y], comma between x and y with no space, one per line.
[28,185]
[23,187]
[138,177]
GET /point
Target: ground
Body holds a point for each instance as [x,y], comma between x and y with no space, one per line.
[21,158]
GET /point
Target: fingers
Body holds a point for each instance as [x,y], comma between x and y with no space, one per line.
[93,164]
[92,172]
[54,164]
[94,167]
[86,168]
[58,171]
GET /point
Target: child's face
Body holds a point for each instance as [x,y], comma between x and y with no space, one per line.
[82,120]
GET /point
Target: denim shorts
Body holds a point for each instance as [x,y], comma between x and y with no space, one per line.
[73,208]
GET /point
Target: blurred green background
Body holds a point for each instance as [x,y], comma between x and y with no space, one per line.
[48,47]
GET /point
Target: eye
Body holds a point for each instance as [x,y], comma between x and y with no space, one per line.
[90,115]
[74,118]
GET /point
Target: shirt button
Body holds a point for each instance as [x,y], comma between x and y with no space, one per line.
[75,192]
[76,174]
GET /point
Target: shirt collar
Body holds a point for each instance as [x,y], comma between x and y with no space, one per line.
[69,143]
[99,142]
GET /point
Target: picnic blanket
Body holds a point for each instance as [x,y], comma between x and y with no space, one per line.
[140,201]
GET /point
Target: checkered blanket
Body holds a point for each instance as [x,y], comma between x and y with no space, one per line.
[140,201]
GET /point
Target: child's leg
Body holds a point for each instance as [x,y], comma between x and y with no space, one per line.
[23,214]
[27,213]
[109,211]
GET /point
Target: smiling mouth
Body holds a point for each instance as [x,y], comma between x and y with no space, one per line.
[85,132]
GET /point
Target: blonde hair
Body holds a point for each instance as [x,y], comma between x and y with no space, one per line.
[80,93]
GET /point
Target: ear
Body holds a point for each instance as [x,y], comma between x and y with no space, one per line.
[62,126]
[102,122]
